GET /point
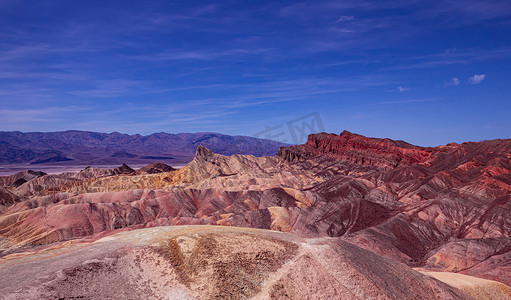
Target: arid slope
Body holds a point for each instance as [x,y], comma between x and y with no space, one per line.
[206,262]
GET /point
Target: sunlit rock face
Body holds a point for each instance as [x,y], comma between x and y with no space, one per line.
[443,208]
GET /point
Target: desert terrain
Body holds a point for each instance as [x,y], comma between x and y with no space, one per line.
[339,217]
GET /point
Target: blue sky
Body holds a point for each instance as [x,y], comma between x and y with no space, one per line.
[428,72]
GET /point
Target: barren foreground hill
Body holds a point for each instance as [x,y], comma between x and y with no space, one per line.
[214,262]
[442,209]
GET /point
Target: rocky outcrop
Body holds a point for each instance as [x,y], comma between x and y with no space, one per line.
[7,199]
[491,257]
[51,183]
[124,169]
[14,181]
[154,168]
[475,287]
[357,149]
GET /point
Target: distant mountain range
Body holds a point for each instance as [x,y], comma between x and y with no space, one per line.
[94,148]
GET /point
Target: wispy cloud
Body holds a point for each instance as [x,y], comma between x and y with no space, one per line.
[408,101]
[344,19]
[453,57]
[111,88]
[457,13]
[399,89]
[31,49]
[16,119]
[476,79]
[452,82]
[203,54]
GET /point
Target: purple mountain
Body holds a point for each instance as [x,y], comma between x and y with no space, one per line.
[93,148]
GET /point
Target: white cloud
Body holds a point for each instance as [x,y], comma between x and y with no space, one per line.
[345,19]
[477,78]
[453,82]
[402,89]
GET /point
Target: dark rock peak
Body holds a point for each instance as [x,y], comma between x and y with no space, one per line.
[19,178]
[32,172]
[19,182]
[156,167]
[124,169]
[203,152]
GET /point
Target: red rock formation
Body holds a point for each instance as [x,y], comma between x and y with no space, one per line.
[357,149]
[442,194]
